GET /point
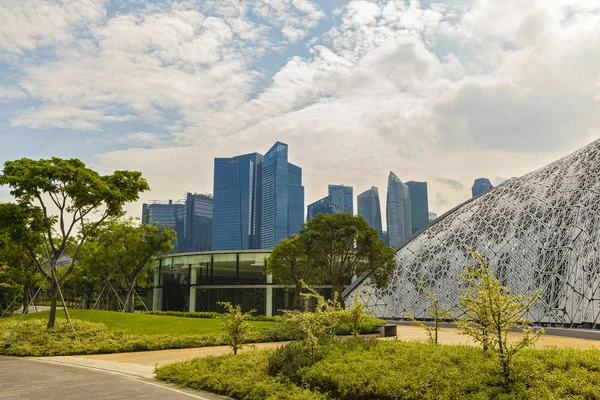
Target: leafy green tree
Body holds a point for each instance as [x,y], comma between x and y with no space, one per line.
[289,265]
[236,325]
[491,312]
[126,247]
[343,245]
[69,195]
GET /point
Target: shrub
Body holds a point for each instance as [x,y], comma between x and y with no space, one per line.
[211,314]
[288,359]
[236,326]
[366,326]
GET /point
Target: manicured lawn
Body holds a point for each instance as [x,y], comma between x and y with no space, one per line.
[392,370]
[146,324]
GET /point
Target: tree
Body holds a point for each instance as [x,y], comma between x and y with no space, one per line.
[128,246]
[68,194]
[289,266]
[436,313]
[343,245]
[357,313]
[236,325]
[490,312]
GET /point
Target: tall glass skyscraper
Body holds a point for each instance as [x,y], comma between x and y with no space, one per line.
[167,213]
[419,205]
[257,200]
[343,195]
[236,206]
[398,211]
[370,209]
[326,205]
[199,215]
[480,186]
[282,197]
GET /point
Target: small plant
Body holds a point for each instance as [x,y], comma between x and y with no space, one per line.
[491,312]
[357,314]
[236,325]
[318,324]
[436,313]
[288,359]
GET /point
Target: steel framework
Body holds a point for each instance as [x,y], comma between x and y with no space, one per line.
[541,230]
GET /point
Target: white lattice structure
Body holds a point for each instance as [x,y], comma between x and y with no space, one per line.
[541,230]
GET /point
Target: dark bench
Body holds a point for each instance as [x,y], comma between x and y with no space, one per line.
[388,330]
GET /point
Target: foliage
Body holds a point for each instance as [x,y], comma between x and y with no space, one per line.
[128,247]
[318,324]
[491,312]
[396,370]
[436,313]
[76,192]
[357,314]
[288,263]
[236,326]
[289,359]
[10,289]
[211,314]
[343,245]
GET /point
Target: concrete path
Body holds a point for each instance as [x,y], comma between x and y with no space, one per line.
[24,379]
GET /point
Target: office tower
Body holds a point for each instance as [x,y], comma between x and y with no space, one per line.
[326,205]
[480,186]
[432,216]
[282,197]
[167,213]
[199,214]
[397,211]
[236,202]
[344,196]
[370,209]
[419,205]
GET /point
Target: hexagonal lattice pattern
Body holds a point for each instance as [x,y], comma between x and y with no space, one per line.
[537,231]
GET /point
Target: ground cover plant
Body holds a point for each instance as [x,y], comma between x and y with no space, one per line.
[353,369]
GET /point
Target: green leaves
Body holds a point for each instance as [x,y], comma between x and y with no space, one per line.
[236,326]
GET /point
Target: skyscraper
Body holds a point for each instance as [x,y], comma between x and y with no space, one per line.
[282,197]
[167,213]
[370,209]
[198,215]
[432,216]
[326,205]
[480,186]
[344,196]
[236,203]
[419,205]
[397,211]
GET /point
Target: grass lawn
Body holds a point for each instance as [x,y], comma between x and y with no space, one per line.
[147,324]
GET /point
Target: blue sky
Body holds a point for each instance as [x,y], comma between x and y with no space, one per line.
[444,91]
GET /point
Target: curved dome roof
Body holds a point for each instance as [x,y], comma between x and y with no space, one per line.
[541,230]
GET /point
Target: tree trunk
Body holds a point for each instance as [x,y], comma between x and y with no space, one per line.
[298,299]
[53,296]
[337,287]
[131,298]
[25,299]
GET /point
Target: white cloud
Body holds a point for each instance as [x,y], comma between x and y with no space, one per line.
[11,92]
[295,18]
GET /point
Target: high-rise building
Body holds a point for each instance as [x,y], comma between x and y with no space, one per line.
[167,213]
[399,226]
[432,216]
[236,202]
[199,214]
[282,197]
[326,205]
[370,209]
[343,195]
[480,186]
[258,200]
[419,205]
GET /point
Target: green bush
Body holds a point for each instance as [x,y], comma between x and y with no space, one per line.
[363,369]
[288,359]
[367,325]
[210,314]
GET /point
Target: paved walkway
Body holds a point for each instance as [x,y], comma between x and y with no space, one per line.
[24,379]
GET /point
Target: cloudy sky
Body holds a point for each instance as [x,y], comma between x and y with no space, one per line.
[444,91]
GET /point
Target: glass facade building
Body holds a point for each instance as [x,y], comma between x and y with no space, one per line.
[343,195]
[168,213]
[398,214]
[199,214]
[369,208]
[419,205]
[324,206]
[481,186]
[432,216]
[197,281]
[236,204]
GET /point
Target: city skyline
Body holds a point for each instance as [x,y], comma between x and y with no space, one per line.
[355,88]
